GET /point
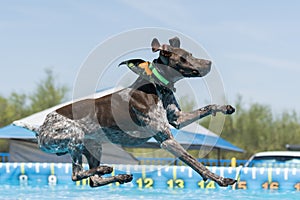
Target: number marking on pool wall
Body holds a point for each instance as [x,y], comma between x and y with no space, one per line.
[145,182]
[297,186]
[175,183]
[175,172]
[242,185]
[22,168]
[270,175]
[272,186]
[177,177]
[207,184]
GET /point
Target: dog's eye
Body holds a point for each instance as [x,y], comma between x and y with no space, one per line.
[165,53]
[182,59]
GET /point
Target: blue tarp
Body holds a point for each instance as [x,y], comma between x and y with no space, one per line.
[195,140]
[16,132]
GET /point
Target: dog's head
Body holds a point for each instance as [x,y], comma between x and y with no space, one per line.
[181,62]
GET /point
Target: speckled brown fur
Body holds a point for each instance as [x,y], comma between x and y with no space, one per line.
[129,117]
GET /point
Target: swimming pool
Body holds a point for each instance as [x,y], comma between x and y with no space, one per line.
[53,181]
[113,193]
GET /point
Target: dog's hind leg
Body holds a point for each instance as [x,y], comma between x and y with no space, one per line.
[100,181]
[170,144]
[93,156]
[77,170]
[96,180]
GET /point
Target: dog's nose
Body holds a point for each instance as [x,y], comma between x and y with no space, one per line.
[208,62]
[205,69]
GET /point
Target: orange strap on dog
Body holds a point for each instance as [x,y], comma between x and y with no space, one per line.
[145,66]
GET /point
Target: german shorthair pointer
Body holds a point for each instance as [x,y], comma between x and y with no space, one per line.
[131,116]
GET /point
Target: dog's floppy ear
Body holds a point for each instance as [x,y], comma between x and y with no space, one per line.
[175,42]
[155,45]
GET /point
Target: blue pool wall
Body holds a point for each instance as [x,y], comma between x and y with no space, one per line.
[153,176]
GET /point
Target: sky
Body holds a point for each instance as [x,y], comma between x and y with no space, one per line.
[253,44]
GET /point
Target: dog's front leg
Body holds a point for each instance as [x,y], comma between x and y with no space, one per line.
[179,119]
[170,144]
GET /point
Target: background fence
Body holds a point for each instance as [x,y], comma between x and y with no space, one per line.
[4,157]
[204,161]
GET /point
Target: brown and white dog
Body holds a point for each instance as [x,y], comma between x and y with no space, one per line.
[130,116]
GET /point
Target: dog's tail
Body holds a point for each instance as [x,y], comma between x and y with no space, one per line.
[27,126]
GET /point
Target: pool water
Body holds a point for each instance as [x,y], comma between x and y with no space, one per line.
[52,181]
[113,193]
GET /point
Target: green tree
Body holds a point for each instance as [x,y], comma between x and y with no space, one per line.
[256,128]
[3,111]
[47,94]
[12,108]
[186,104]
[17,106]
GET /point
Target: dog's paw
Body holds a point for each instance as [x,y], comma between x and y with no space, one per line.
[203,177]
[124,178]
[224,182]
[227,109]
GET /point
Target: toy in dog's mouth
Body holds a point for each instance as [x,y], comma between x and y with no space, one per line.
[149,72]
